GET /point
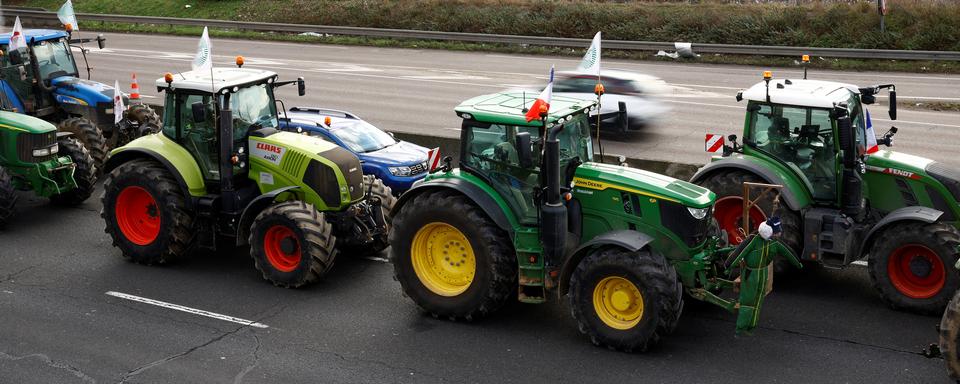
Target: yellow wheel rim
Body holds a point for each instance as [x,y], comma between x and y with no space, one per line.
[443,260]
[618,302]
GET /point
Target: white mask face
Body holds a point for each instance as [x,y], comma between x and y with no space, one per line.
[766,231]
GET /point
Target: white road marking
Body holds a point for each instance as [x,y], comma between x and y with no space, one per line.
[917,122]
[181,308]
[862,263]
[707,104]
[380,259]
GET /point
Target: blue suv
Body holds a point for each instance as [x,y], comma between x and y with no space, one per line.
[398,163]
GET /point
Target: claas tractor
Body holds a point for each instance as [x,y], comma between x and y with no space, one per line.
[847,198]
[42,80]
[528,215]
[35,157]
[221,174]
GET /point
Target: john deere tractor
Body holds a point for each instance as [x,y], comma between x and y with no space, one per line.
[220,174]
[43,80]
[843,204]
[34,156]
[528,215]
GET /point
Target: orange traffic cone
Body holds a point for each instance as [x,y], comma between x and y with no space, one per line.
[134,90]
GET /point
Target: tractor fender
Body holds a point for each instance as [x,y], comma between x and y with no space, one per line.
[627,239]
[130,154]
[61,134]
[914,213]
[473,192]
[789,196]
[254,208]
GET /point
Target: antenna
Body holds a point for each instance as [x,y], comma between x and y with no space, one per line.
[525,109]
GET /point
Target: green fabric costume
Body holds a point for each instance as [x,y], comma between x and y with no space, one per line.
[755,259]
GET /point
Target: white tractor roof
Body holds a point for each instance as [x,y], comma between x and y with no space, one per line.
[222,78]
[808,93]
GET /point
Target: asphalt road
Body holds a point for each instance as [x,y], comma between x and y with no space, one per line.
[58,324]
[415,90]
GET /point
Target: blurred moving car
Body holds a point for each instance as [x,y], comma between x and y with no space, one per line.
[398,163]
[639,92]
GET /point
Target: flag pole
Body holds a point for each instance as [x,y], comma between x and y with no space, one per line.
[599,91]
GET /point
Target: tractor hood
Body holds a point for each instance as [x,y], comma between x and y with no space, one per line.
[24,123]
[72,90]
[897,163]
[603,176]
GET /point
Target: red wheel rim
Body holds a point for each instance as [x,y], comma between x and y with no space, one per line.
[138,215]
[729,214]
[276,239]
[916,271]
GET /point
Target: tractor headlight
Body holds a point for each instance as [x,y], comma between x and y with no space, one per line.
[42,152]
[400,171]
[698,213]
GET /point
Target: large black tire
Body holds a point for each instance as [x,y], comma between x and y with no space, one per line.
[157,225]
[912,266]
[8,196]
[603,274]
[292,244]
[950,337]
[494,279]
[387,201]
[139,120]
[728,185]
[91,137]
[84,174]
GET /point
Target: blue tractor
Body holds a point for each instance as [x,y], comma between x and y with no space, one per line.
[398,163]
[43,80]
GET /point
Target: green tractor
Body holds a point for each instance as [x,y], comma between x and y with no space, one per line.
[221,174]
[528,213]
[842,203]
[34,156]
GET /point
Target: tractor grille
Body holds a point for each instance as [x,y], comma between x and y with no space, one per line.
[677,219]
[418,168]
[323,179]
[948,176]
[27,142]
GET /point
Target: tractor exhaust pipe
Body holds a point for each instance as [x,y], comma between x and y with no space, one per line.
[553,212]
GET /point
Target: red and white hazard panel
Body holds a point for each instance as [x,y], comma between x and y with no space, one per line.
[713,143]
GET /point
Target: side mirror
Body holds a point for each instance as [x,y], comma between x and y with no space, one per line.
[16,58]
[101,40]
[301,87]
[893,104]
[199,112]
[524,150]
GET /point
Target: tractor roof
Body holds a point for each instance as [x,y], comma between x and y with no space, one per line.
[38,34]
[222,78]
[807,93]
[507,107]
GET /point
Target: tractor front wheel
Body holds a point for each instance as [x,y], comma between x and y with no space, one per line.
[381,241]
[950,337]
[450,258]
[8,196]
[140,120]
[84,173]
[91,137]
[912,266]
[146,213]
[625,300]
[292,244]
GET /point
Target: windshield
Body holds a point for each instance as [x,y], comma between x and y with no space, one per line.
[363,137]
[253,107]
[54,59]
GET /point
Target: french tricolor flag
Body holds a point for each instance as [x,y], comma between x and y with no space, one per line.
[872,146]
[542,102]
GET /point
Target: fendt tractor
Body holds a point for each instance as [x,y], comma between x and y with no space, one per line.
[898,211]
[34,156]
[220,174]
[528,213]
[43,80]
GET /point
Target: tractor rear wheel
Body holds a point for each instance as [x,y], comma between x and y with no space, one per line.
[625,300]
[140,120]
[292,244]
[91,137]
[146,213]
[912,266]
[450,258]
[84,173]
[8,196]
[950,337]
[728,210]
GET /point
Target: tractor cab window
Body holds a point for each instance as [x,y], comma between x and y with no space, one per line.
[490,150]
[253,108]
[54,59]
[199,137]
[859,122]
[802,138]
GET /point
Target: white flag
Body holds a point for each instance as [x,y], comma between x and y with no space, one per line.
[118,107]
[67,17]
[17,40]
[204,58]
[591,60]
